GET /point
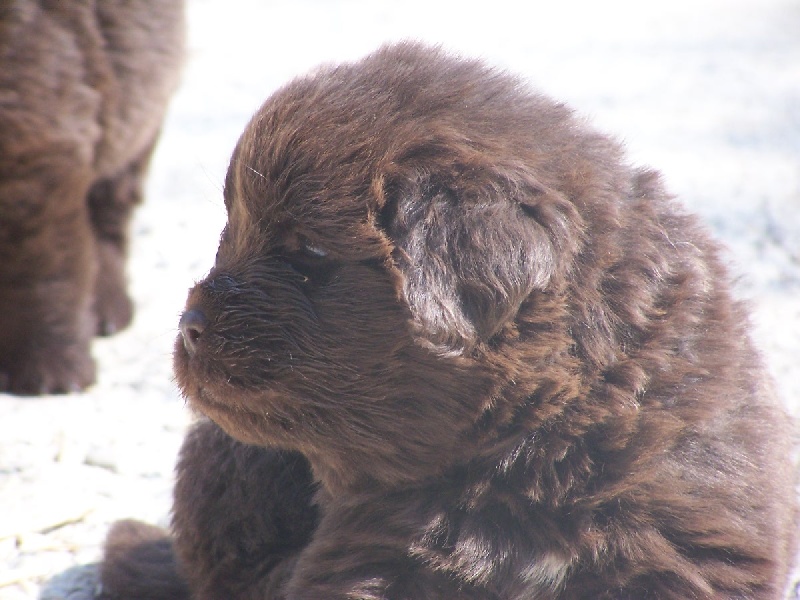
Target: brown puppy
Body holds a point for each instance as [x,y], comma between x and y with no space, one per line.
[83,89]
[453,347]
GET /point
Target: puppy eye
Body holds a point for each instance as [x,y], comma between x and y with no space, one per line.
[312,262]
[314,251]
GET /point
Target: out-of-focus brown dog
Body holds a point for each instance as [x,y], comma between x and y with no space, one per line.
[83,90]
[454,347]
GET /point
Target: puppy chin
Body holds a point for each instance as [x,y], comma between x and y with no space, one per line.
[241,424]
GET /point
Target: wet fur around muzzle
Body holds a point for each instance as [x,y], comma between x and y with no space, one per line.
[454,346]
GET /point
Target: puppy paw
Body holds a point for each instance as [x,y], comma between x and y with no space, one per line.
[139,563]
[48,370]
[113,308]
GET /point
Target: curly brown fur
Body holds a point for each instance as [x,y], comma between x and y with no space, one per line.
[511,362]
[84,89]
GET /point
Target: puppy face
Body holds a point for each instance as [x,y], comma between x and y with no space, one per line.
[381,241]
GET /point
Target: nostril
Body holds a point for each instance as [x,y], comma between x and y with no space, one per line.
[192,324]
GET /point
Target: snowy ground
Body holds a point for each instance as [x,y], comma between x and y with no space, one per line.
[708,91]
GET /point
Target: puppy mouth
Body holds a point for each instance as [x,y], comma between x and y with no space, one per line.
[216,371]
[231,402]
[204,401]
[198,386]
[249,420]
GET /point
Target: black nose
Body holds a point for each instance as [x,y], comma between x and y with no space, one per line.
[192,325]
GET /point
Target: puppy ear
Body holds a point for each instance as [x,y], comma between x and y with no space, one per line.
[470,257]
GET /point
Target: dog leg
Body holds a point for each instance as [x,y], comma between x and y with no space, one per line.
[241,515]
[47,271]
[111,202]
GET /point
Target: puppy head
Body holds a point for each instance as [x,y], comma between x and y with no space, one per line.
[382,236]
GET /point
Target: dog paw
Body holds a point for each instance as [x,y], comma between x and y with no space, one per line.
[48,371]
[113,308]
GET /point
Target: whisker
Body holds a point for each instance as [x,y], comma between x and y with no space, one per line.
[249,168]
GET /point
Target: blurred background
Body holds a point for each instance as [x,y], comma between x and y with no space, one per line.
[706,91]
